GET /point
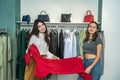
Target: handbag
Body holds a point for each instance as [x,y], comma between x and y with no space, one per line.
[88,17]
[65,17]
[26,18]
[44,16]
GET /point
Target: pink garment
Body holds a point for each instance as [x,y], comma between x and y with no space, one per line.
[46,66]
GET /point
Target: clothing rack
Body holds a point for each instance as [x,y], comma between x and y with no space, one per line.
[5,31]
[61,25]
[57,26]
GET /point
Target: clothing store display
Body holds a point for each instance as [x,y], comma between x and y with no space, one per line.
[77,42]
[73,41]
[82,37]
[66,17]
[61,45]
[44,16]
[53,48]
[74,47]
[68,40]
[26,18]
[89,17]
[69,44]
[1,60]
[3,50]
[46,66]
[19,44]
[21,50]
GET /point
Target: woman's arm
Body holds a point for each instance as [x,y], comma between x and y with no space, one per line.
[99,51]
[55,57]
[31,41]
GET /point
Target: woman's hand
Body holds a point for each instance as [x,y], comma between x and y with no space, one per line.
[88,70]
[55,57]
[80,57]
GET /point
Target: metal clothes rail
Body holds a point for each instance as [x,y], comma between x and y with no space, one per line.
[61,25]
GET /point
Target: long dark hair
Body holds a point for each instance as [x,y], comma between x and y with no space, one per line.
[35,30]
[95,34]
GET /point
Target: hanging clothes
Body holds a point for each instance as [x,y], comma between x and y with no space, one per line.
[21,50]
[77,42]
[82,37]
[61,45]
[46,66]
[1,60]
[53,48]
[68,37]
[74,45]
[3,45]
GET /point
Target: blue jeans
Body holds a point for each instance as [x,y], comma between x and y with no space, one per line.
[95,72]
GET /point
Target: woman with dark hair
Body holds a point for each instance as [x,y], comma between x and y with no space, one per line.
[92,48]
[39,37]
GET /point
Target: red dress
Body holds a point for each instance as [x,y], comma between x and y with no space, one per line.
[46,66]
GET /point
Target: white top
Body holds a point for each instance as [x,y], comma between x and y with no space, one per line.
[68,43]
[41,44]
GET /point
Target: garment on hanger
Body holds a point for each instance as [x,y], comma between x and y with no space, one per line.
[53,48]
[82,37]
[46,66]
[68,38]
[77,42]
[3,51]
[22,41]
[1,60]
[61,45]
[74,45]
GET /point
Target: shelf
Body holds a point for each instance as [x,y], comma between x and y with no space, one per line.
[55,24]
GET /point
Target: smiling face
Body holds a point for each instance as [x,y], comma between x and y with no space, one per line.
[41,27]
[92,28]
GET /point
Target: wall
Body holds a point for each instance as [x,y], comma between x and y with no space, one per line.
[55,7]
[111,27]
[9,13]
[7,18]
